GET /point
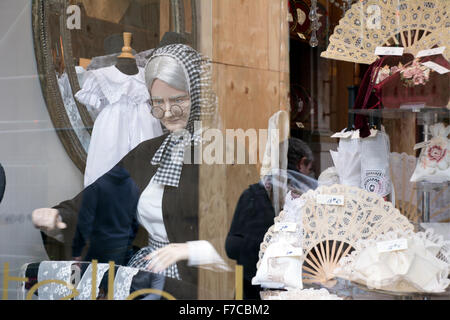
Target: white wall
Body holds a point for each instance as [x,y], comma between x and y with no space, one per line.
[38,171]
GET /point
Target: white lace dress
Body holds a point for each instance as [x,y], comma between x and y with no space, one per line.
[124,119]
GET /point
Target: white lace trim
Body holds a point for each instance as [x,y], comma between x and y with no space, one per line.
[107,86]
[85,285]
[122,282]
[54,270]
[297,294]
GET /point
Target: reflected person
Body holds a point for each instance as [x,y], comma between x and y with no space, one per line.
[254,213]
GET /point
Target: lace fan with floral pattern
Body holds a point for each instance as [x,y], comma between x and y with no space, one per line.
[413,24]
[330,232]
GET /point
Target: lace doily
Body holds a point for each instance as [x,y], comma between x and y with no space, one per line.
[412,24]
[400,281]
[363,215]
[297,294]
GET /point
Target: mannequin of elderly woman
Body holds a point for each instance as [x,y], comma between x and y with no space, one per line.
[167,204]
[161,94]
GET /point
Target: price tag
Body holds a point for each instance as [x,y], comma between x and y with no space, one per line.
[392,245]
[329,199]
[389,51]
[436,67]
[286,226]
[430,52]
[343,135]
[296,252]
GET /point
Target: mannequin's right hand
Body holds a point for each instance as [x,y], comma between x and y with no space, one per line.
[47,219]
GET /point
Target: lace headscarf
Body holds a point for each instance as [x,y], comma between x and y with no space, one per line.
[170,155]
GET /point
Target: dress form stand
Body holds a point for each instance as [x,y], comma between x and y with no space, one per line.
[126,62]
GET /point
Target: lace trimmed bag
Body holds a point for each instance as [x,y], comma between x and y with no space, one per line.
[434,160]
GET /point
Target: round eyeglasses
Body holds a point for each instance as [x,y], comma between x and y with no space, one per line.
[174,109]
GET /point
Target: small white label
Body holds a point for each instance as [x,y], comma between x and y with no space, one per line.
[296,252]
[392,245]
[286,226]
[343,135]
[389,51]
[436,67]
[430,52]
[422,145]
[330,199]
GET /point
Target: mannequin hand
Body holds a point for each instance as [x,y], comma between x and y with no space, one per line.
[47,219]
[163,258]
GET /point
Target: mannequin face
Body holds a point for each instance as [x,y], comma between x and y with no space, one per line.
[171,100]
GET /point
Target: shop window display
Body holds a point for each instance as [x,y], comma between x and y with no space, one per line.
[209,162]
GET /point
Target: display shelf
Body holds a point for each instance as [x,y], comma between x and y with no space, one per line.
[426,114]
[425,186]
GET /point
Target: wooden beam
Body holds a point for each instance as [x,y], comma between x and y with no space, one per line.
[164,17]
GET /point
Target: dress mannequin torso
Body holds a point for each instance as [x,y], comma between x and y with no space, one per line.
[127,66]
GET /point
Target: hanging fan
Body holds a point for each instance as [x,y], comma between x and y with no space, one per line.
[402,167]
[413,24]
[330,232]
[300,22]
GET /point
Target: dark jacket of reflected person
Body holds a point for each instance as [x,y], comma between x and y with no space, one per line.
[254,215]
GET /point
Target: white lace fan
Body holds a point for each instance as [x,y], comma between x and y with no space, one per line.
[331,231]
[413,24]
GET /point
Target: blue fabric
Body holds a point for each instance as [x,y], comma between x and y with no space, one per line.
[107,219]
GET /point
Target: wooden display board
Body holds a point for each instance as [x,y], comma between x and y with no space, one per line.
[248,44]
